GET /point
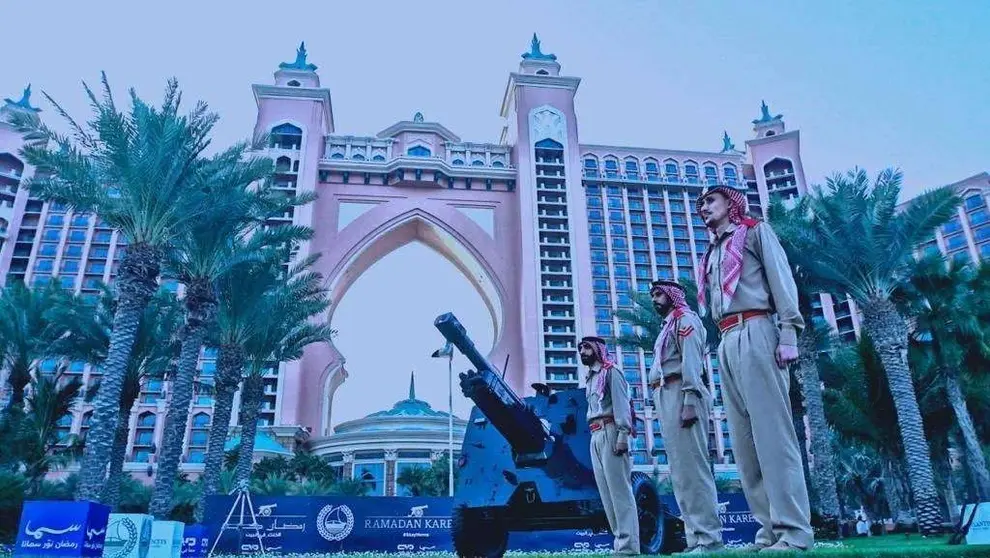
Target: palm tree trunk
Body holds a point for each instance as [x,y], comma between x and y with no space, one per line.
[889,333]
[823,475]
[893,491]
[111,491]
[199,308]
[971,443]
[136,283]
[230,363]
[797,418]
[250,407]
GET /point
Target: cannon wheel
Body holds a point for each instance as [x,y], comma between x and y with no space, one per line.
[474,538]
[651,514]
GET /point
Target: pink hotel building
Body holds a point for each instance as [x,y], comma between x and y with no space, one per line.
[554,233]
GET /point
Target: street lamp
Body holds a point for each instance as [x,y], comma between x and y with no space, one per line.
[448,351]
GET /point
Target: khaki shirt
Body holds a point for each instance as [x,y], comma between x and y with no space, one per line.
[766,282]
[614,403]
[684,354]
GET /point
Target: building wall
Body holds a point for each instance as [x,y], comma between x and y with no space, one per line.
[554,233]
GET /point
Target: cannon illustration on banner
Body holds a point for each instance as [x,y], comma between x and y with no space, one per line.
[525,465]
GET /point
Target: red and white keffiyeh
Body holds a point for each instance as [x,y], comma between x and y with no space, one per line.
[600,349]
[732,256]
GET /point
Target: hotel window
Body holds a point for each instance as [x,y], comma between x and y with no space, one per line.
[595,215]
[622,285]
[594,201]
[598,242]
[615,203]
[619,243]
[372,476]
[676,207]
[632,169]
[639,230]
[591,167]
[711,175]
[598,256]
[418,151]
[144,437]
[691,173]
[652,171]
[604,329]
[599,270]
[622,271]
[671,172]
[611,168]
[616,216]
[603,299]
[730,175]
[603,314]
[620,257]
[596,228]
[600,284]
[618,229]
[975,202]
[978,217]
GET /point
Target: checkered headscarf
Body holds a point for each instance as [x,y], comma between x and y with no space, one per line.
[600,349]
[732,257]
[676,295]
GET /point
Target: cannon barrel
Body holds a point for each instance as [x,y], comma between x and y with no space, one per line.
[520,426]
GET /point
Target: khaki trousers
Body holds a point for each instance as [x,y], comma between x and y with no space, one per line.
[690,472]
[758,408]
[613,475]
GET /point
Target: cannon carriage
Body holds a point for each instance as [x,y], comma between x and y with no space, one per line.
[525,465]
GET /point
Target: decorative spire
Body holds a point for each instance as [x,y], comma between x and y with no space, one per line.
[412,385]
[727,144]
[418,117]
[765,115]
[535,53]
[300,63]
[24,103]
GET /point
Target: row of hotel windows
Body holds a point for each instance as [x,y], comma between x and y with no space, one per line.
[671,171]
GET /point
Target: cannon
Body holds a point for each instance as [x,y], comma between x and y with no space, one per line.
[525,465]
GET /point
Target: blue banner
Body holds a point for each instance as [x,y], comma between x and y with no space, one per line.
[62,528]
[739,527]
[196,541]
[327,524]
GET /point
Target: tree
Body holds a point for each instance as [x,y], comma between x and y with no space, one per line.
[32,323]
[155,349]
[288,323]
[949,306]
[242,312]
[206,251]
[432,480]
[789,224]
[51,397]
[136,172]
[859,242]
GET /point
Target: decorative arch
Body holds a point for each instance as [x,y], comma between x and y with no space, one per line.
[281,132]
[778,165]
[387,227]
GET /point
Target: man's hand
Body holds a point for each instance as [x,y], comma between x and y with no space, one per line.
[621,448]
[786,354]
[688,416]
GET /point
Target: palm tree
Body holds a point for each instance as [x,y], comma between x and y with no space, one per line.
[155,350]
[790,225]
[241,312]
[859,405]
[206,251]
[288,328]
[32,322]
[52,397]
[859,242]
[949,309]
[136,172]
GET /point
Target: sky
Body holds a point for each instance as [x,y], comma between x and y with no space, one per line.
[871,84]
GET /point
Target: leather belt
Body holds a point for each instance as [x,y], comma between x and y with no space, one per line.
[666,379]
[737,319]
[599,423]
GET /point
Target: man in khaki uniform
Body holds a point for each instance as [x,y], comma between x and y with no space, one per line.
[610,421]
[748,282]
[683,404]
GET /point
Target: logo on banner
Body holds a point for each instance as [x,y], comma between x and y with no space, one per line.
[122,537]
[334,523]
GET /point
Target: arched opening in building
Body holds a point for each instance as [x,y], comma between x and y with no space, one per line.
[385,322]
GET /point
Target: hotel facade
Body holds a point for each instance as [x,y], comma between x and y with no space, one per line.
[553,231]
